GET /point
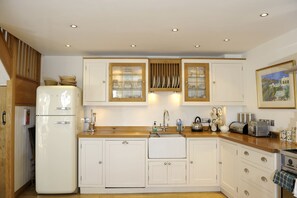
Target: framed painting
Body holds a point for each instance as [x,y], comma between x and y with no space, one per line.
[276,86]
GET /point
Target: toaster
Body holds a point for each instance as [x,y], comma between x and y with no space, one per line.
[258,129]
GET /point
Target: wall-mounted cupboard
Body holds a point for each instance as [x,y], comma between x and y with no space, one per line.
[115,81]
[128,81]
[212,82]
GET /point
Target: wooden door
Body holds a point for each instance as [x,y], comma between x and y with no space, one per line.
[2,140]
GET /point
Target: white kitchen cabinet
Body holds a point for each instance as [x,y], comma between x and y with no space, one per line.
[91,162]
[167,172]
[227,82]
[94,82]
[125,162]
[224,86]
[229,174]
[203,162]
[256,167]
[100,87]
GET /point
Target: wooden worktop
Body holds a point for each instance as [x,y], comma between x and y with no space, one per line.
[272,145]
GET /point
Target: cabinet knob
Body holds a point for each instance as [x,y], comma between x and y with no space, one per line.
[103,81]
[125,142]
[264,179]
[246,170]
[100,162]
[191,162]
[246,153]
[214,82]
[165,163]
[263,159]
[169,163]
[220,162]
[246,193]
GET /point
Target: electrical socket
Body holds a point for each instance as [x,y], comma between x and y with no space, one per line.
[269,122]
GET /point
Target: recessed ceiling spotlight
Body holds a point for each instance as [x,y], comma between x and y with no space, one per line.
[174,30]
[73,26]
[264,15]
[67,45]
[226,40]
[133,45]
[197,46]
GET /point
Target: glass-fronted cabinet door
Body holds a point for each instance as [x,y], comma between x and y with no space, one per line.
[127,82]
[196,82]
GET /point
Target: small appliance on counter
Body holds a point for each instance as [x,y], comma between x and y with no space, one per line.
[258,129]
[197,125]
[238,127]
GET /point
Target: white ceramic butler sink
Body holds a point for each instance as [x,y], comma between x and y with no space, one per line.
[167,146]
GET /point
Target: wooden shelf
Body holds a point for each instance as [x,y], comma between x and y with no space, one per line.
[165,75]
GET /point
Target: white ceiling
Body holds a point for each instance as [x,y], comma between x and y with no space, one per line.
[109,27]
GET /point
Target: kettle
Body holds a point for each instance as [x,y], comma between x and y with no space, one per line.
[197,125]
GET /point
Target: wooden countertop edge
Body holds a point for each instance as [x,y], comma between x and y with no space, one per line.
[271,145]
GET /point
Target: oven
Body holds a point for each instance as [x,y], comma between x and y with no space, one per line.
[288,164]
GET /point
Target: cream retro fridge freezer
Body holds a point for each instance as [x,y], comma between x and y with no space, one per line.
[58,120]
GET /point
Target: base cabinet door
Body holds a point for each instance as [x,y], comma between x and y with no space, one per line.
[229,174]
[125,163]
[203,162]
[176,171]
[167,172]
[91,162]
[157,173]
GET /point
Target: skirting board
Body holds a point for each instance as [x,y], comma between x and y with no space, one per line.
[149,190]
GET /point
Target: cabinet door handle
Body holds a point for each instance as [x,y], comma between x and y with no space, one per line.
[63,122]
[103,81]
[100,162]
[263,159]
[246,153]
[125,142]
[3,117]
[63,108]
[246,193]
[220,162]
[264,179]
[246,170]
[165,163]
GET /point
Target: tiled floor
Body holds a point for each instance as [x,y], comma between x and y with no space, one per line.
[30,193]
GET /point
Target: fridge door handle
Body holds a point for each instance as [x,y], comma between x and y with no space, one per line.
[63,122]
[3,117]
[63,108]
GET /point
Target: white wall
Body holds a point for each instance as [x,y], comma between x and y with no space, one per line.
[22,153]
[53,66]
[275,51]
[3,75]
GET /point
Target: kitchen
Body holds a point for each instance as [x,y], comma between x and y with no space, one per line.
[274,50]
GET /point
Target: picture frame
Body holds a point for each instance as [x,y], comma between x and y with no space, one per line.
[276,87]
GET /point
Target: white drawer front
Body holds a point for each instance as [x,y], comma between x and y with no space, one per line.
[255,175]
[258,157]
[248,191]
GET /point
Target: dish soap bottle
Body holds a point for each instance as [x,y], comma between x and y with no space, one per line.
[155,129]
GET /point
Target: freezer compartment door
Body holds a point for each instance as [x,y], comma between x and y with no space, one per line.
[57,100]
[56,154]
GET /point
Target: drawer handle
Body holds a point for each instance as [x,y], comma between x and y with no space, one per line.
[246,153]
[169,163]
[100,162]
[246,193]
[125,142]
[191,162]
[263,159]
[246,170]
[264,179]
